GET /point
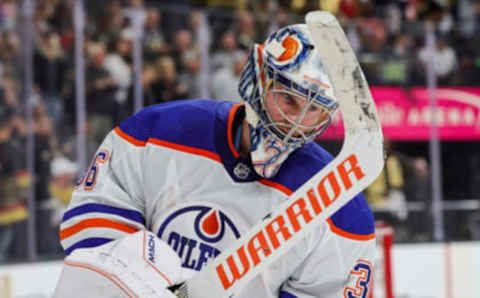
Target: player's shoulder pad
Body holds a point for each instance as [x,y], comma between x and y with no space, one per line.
[184,122]
[354,220]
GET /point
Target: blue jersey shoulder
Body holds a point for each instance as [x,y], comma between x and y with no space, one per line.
[302,165]
[355,217]
[185,122]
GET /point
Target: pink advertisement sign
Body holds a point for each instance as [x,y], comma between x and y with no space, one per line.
[406,115]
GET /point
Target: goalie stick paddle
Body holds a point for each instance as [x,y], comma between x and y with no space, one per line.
[356,166]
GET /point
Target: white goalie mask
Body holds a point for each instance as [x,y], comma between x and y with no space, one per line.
[289,97]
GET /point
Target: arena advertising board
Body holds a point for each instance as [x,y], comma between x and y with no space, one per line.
[406,115]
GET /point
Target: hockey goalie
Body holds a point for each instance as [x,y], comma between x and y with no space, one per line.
[218,199]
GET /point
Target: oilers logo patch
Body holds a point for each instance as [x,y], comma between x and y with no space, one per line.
[198,232]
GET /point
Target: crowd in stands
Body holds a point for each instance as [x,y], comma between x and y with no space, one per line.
[388,37]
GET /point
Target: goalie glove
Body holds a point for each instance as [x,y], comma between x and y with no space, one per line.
[138,265]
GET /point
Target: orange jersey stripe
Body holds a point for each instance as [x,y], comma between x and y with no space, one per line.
[276,185]
[186,149]
[346,234]
[167,144]
[128,138]
[231,117]
[95,223]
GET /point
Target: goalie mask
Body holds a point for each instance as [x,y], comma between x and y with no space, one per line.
[289,98]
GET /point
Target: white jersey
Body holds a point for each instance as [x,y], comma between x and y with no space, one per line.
[173,169]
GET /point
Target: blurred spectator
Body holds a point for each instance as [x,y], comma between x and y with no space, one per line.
[154,43]
[44,13]
[62,20]
[44,148]
[119,69]
[263,11]
[101,90]
[9,92]
[417,189]
[350,7]
[476,17]
[14,182]
[174,16]
[224,55]
[386,195]
[49,73]
[10,53]
[135,3]
[60,186]
[44,139]
[468,70]
[350,27]
[225,80]
[301,7]
[184,49]
[412,25]
[396,65]
[444,60]
[283,17]
[373,36]
[372,30]
[190,76]
[194,22]
[330,5]
[446,24]
[167,87]
[245,30]
[473,222]
[149,78]
[8,14]
[393,19]
[112,22]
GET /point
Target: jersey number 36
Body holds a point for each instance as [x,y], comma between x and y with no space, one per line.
[90,178]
